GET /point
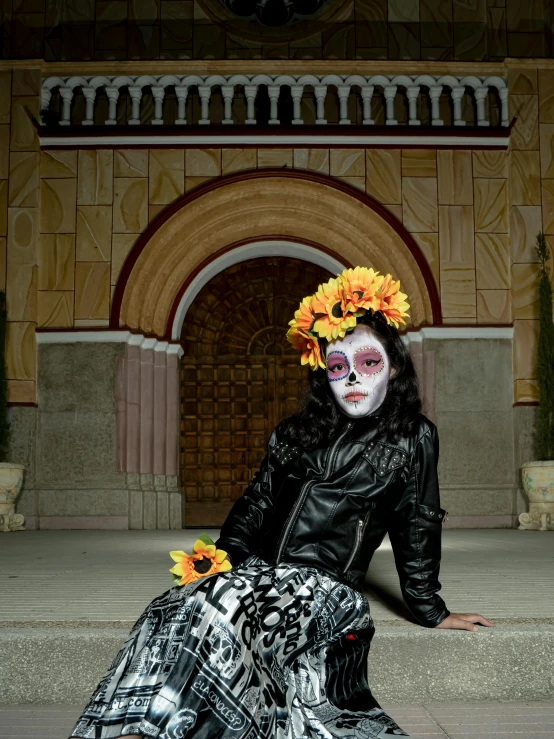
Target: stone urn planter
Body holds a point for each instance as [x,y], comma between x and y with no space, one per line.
[11,480]
[538,483]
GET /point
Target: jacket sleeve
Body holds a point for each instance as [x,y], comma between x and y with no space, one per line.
[240,530]
[415,530]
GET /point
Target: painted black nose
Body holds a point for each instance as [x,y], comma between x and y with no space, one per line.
[352,377]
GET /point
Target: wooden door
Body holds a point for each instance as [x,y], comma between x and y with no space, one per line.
[239,378]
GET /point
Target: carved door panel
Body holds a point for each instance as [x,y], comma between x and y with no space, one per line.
[239,378]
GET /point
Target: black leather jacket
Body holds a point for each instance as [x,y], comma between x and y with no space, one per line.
[330,508]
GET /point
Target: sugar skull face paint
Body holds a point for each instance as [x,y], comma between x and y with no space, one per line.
[358,370]
[337,366]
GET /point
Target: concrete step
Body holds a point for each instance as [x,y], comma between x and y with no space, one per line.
[69,598]
[493,720]
[512,661]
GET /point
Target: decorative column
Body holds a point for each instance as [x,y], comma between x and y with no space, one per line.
[250,92]
[227,92]
[67,96]
[158,93]
[413,95]
[457,95]
[390,95]
[205,92]
[136,96]
[113,96]
[367,96]
[147,420]
[435,93]
[320,92]
[273,91]
[90,97]
[480,98]
[182,93]
[343,93]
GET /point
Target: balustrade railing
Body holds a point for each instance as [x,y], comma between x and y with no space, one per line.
[273,100]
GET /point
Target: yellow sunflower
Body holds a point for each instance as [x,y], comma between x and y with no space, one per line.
[204,560]
[308,345]
[332,321]
[391,301]
[304,317]
[359,286]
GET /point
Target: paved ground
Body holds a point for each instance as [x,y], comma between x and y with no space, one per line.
[529,720]
[113,575]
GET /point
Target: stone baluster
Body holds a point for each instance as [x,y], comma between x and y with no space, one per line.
[227,92]
[320,92]
[297,91]
[435,93]
[480,98]
[45,97]
[343,93]
[250,92]
[90,96]
[66,94]
[390,95]
[205,92]
[181,93]
[503,94]
[113,96]
[273,91]
[412,93]
[457,95]
[367,96]
[158,93]
[135,93]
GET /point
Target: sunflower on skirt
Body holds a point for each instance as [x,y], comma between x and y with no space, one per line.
[204,560]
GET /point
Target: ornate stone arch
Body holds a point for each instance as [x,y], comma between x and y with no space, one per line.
[294,205]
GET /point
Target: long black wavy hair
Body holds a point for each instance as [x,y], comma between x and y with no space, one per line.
[318,419]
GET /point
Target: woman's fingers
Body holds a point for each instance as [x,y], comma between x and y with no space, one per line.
[476,618]
[466,621]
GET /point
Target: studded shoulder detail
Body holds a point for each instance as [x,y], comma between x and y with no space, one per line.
[283,452]
[385,458]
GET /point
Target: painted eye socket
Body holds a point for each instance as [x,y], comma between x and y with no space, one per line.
[337,366]
[368,361]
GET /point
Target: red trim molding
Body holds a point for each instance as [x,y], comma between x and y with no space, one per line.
[261,174]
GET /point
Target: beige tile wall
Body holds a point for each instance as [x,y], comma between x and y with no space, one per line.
[68,219]
[19,226]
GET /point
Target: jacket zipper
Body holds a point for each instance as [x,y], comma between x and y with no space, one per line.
[362,523]
[302,496]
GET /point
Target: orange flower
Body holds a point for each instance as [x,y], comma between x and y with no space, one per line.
[205,560]
[304,317]
[309,346]
[332,321]
[359,286]
[391,301]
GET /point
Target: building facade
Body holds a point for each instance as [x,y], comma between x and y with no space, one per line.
[175,178]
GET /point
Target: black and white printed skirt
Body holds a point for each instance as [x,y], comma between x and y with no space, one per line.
[258,652]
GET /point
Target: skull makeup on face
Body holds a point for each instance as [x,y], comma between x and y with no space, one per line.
[358,370]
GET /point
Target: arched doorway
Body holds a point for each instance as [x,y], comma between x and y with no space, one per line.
[239,377]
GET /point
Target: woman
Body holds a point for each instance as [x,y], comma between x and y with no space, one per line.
[277,647]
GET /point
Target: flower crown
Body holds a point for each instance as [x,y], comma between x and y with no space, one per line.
[333,309]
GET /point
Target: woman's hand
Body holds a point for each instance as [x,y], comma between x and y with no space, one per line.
[465,621]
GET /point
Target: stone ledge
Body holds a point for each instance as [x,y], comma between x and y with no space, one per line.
[407,663]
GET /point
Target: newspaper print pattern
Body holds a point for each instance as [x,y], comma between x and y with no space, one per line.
[235,655]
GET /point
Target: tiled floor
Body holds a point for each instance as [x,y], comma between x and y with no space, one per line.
[113,575]
[529,720]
